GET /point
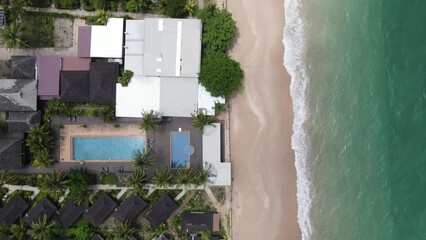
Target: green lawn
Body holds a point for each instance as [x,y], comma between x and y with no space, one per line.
[40,31]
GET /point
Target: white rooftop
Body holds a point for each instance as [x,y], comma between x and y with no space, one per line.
[141,94]
[206,101]
[221,171]
[172,47]
[107,41]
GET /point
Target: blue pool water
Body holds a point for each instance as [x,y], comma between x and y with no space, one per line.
[179,141]
[106,148]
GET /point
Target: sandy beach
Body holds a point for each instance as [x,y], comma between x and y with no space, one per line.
[264,189]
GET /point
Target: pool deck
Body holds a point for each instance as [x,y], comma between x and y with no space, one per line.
[107,130]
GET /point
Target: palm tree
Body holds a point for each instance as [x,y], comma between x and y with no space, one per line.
[124,231]
[162,179]
[201,120]
[219,108]
[141,161]
[6,178]
[102,17]
[201,176]
[185,177]
[19,230]
[137,181]
[42,159]
[156,232]
[54,183]
[190,7]
[39,139]
[150,121]
[43,230]
[13,35]
[107,113]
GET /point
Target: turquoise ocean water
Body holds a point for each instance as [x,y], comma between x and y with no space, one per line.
[358,72]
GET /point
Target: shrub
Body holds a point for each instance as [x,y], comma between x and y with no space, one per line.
[137,6]
[220,74]
[87,6]
[83,230]
[40,143]
[109,178]
[39,3]
[67,4]
[125,77]
[174,8]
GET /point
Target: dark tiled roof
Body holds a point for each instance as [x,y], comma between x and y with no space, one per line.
[18,95]
[70,213]
[43,208]
[23,67]
[161,211]
[96,237]
[23,121]
[103,79]
[100,210]
[130,208]
[2,19]
[11,150]
[75,86]
[13,210]
[198,221]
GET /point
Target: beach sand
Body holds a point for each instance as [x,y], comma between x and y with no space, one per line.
[264,202]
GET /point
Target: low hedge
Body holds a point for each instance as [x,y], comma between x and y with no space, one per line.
[67,4]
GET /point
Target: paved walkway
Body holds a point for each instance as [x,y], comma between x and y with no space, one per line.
[13,188]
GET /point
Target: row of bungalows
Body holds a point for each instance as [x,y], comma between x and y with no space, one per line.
[96,214]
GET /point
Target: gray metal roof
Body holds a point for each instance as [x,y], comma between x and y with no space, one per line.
[178,96]
[23,67]
[164,42]
[23,121]
[18,95]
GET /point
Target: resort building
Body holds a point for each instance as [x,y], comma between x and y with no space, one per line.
[12,150]
[70,213]
[44,208]
[165,57]
[100,41]
[100,210]
[212,156]
[18,95]
[195,222]
[130,208]
[47,74]
[161,211]
[13,210]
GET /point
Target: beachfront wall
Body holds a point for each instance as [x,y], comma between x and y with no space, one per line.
[221,171]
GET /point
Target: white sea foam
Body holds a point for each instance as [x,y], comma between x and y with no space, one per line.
[294,60]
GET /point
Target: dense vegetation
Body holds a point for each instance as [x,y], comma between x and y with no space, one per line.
[40,143]
[67,4]
[125,77]
[219,74]
[55,107]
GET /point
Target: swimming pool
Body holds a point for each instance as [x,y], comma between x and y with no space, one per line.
[180,149]
[106,148]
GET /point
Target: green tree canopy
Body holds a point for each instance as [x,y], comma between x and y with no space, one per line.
[164,178]
[54,183]
[150,121]
[40,143]
[173,8]
[220,74]
[201,120]
[143,160]
[219,28]
[13,35]
[125,77]
[83,230]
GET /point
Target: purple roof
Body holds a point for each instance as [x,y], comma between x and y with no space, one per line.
[84,38]
[75,64]
[48,69]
